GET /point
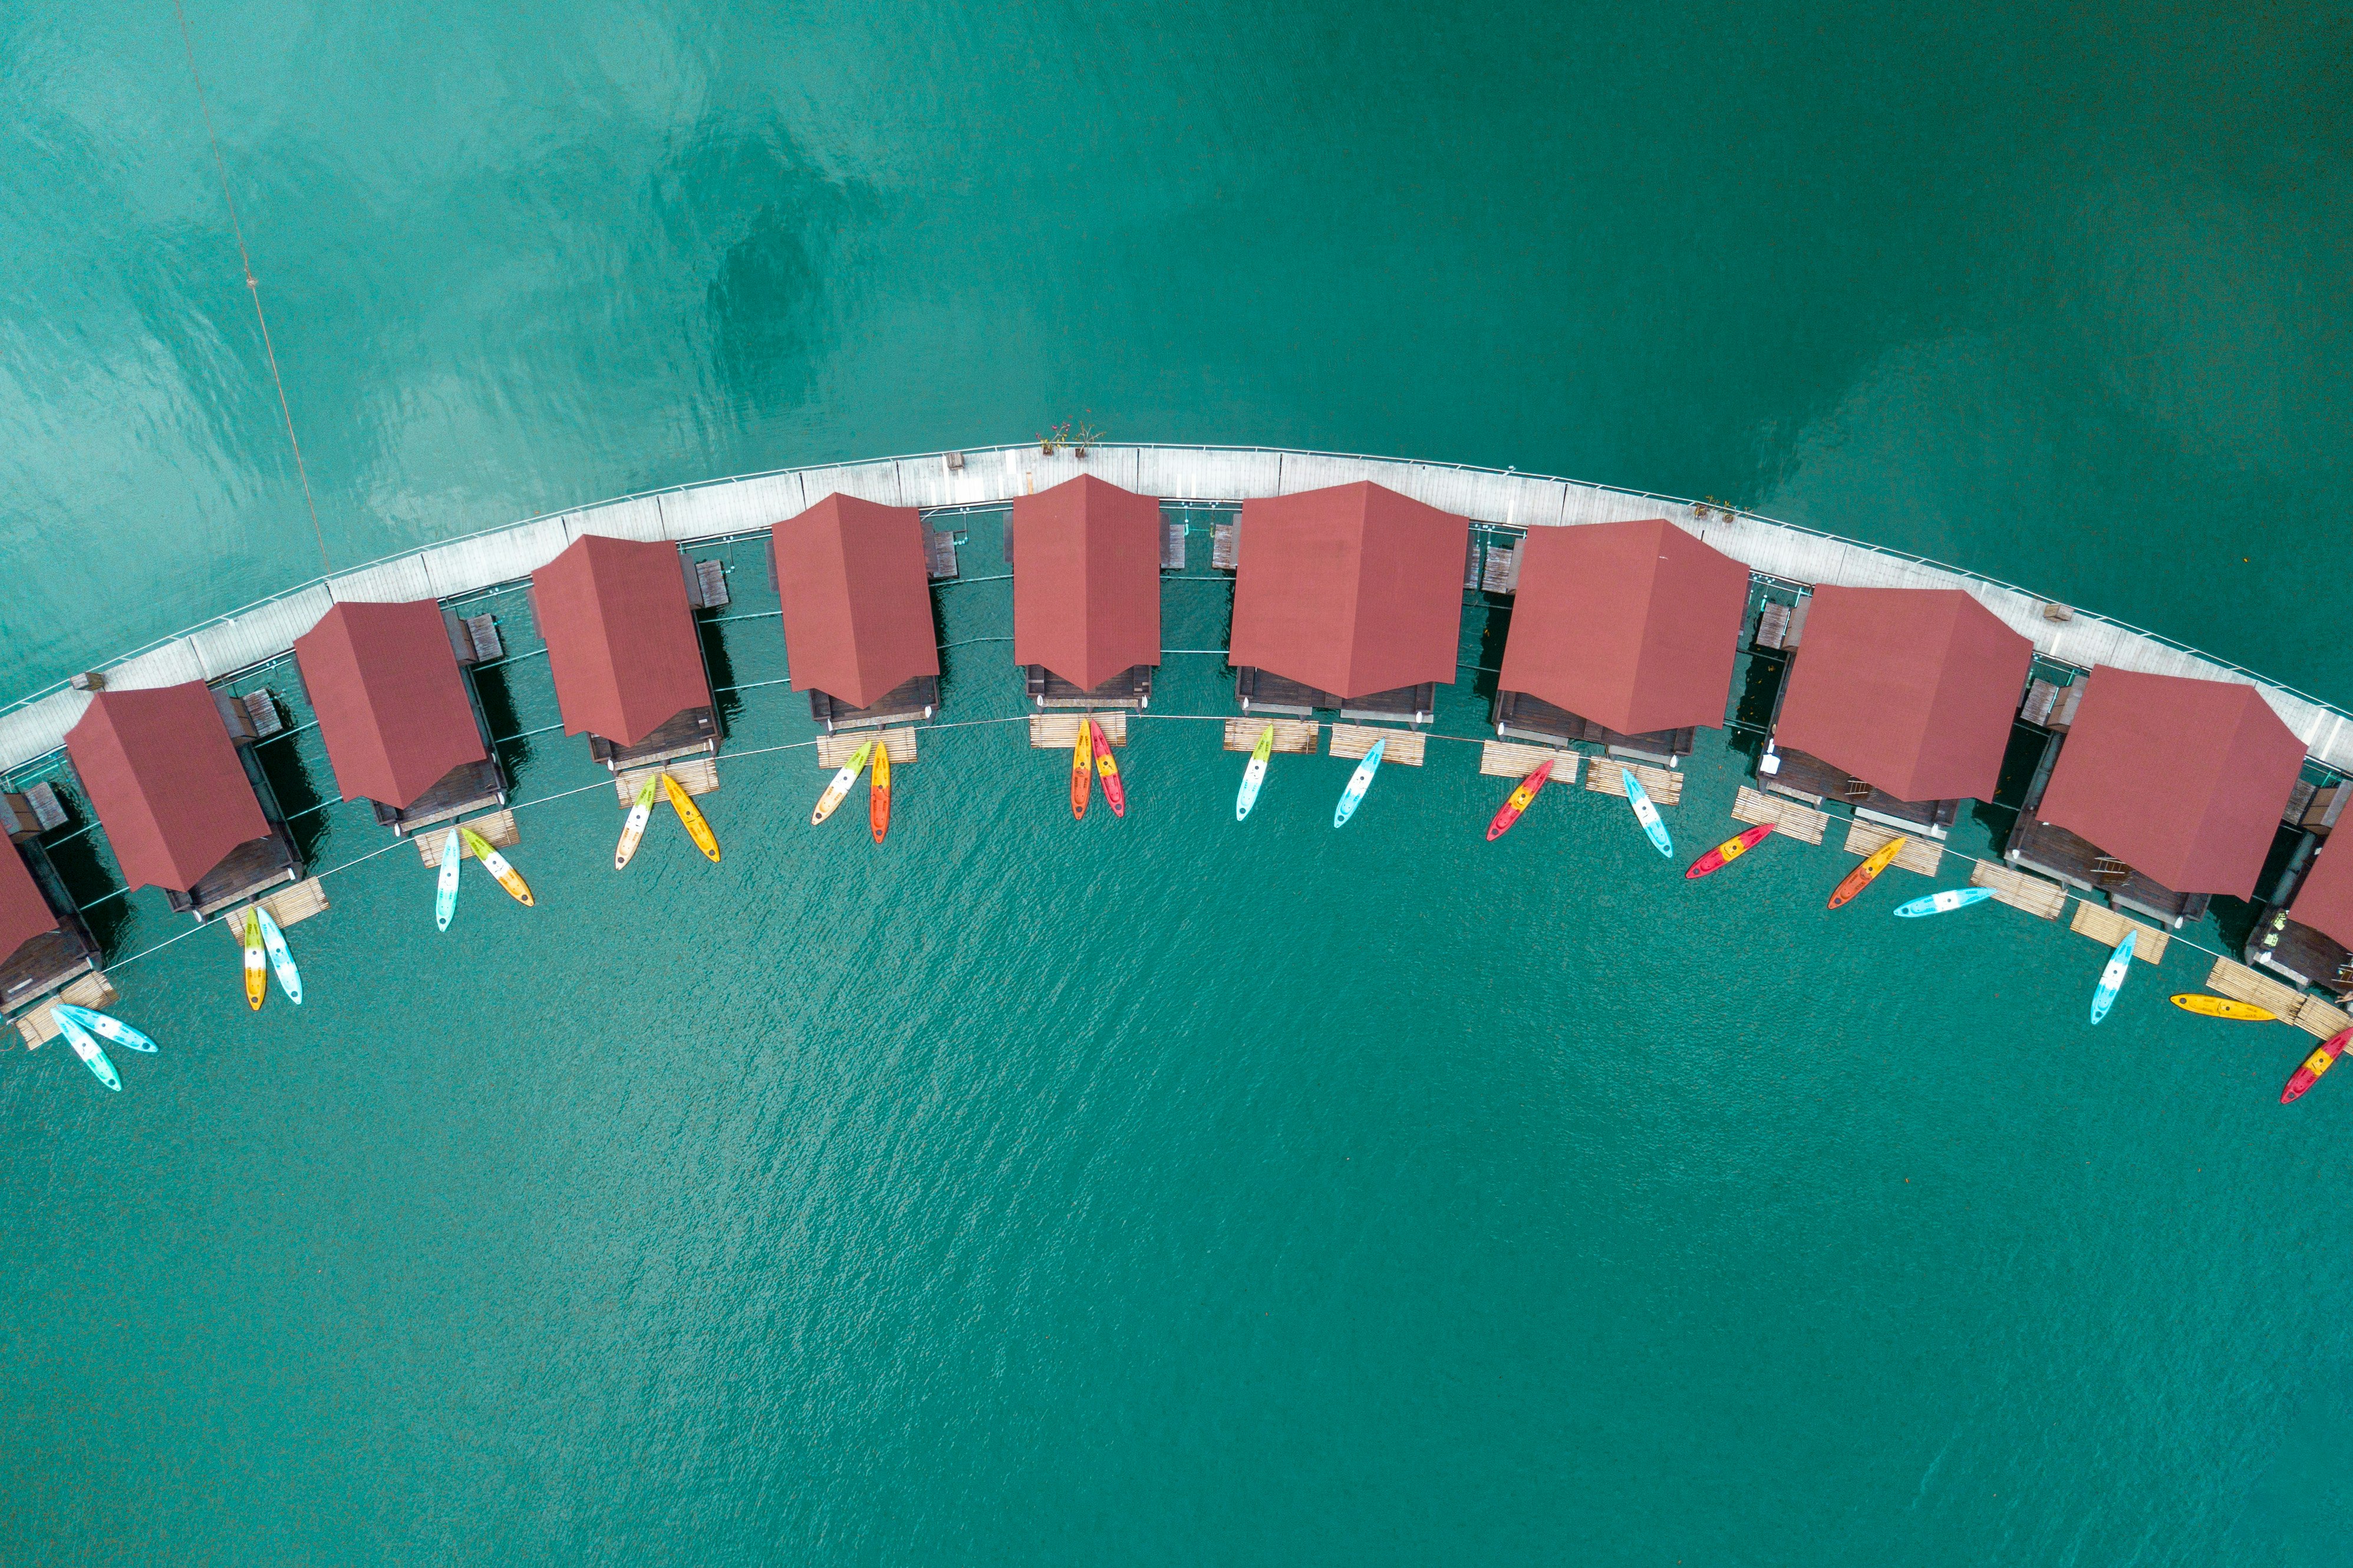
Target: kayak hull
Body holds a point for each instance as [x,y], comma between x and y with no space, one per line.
[641,811]
[2112,978]
[877,797]
[494,862]
[257,964]
[91,1055]
[1083,771]
[697,826]
[1519,800]
[1358,783]
[2318,1063]
[1944,902]
[838,790]
[1646,811]
[1862,876]
[445,886]
[1107,769]
[1254,775]
[1725,853]
[106,1026]
[2224,1007]
[281,958]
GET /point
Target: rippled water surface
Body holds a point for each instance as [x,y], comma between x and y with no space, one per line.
[1162,1190]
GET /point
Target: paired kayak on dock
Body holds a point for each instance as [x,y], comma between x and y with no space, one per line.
[1864,875]
[1509,812]
[1945,902]
[1358,783]
[1725,853]
[2112,977]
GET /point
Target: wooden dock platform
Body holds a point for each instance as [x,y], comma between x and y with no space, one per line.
[1404,746]
[1605,776]
[1059,731]
[39,1025]
[2108,928]
[1920,853]
[696,775]
[498,826]
[1294,737]
[2310,1013]
[834,751]
[1803,823]
[2037,896]
[1505,760]
[288,907]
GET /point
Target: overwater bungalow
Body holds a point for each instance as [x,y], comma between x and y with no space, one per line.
[1897,702]
[1347,598]
[859,631]
[398,712]
[2165,791]
[1623,635]
[1086,595]
[625,653]
[2308,936]
[171,773]
[43,946]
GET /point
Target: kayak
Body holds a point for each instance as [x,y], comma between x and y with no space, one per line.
[877,798]
[2223,1007]
[1731,849]
[1107,766]
[697,827]
[635,828]
[87,1049]
[1645,813]
[282,959]
[1255,775]
[1944,903]
[838,790]
[496,865]
[1083,770]
[445,889]
[1861,876]
[1509,812]
[1358,783]
[105,1026]
[2112,978]
[2318,1062]
[257,964]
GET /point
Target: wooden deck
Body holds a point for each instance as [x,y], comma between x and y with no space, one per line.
[2310,1013]
[499,827]
[1504,760]
[2306,956]
[1404,746]
[696,775]
[1918,854]
[2108,928]
[1293,737]
[1059,731]
[834,751]
[1607,776]
[39,1025]
[1803,823]
[2037,896]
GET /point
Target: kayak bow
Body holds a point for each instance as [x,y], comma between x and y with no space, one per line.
[838,790]
[1107,767]
[1358,783]
[1509,812]
[697,827]
[635,828]
[1861,876]
[1731,849]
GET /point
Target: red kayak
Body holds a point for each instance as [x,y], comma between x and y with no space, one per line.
[1509,812]
[1725,853]
[2318,1062]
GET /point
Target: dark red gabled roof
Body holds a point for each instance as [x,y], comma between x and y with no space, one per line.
[1086,580]
[2325,899]
[1634,626]
[25,913]
[165,780]
[857,597]
[390,698]
[1354,589]
[620,637]
[1911,689]
[2182,780]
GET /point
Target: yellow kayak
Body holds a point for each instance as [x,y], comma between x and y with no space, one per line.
[1861,876]
[2223,1007]
[878,796]
[1082,776]
[496,865]
[838,790]
[691,814]
[257,963]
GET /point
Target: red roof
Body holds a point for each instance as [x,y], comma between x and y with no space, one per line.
[620,636]
[1086,580]
[1352,590]
[166,783]
[858,598]
[391,700]
[2181,780]
[1911,689]
[1634,626]
[2325,899]
[24,912]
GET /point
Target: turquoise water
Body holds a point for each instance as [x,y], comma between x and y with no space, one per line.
[1161,1189]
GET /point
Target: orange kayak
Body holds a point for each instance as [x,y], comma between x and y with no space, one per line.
[1108,766]
[496,865]
[1083,769]
[1861,876]
[1725,853]
[256,965]
[877,797]
[1509,812]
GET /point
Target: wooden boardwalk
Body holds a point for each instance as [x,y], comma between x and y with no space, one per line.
[1920,853]
[2108,928]
[1663,786]
[834,751]
[2241,983]
[1404,746]
[696,775]
[1505,760]
[498,826]
[1059,731]
[2037,896]
[40,1024]
[1803,823]
[1295,737]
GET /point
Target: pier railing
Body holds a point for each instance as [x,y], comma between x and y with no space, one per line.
[36,725]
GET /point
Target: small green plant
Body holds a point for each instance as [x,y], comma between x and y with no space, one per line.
[1056,437]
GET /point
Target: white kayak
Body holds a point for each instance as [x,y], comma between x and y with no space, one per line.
[635,828]
[282,961]
[2112,978]
[106,1026]
[1254,775]
[91,1056]
[444,890]
[1358,783]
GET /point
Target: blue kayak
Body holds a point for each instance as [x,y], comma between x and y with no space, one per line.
[91,1056]
[1944,903]
[105,1027]
[2112,978]
[281,960]
[445,893]
[1645,813]
[1358,783]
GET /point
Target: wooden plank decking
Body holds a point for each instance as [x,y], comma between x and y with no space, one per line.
[2108,928]
[1663,786]
[498,826]
[834,751]
[2241,983]
[1059,731]
[1295,736]
[696,775]
[2037,896]
[1803,823]
[1504,760]
[1920,853]
[1404,746]
[91,990]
